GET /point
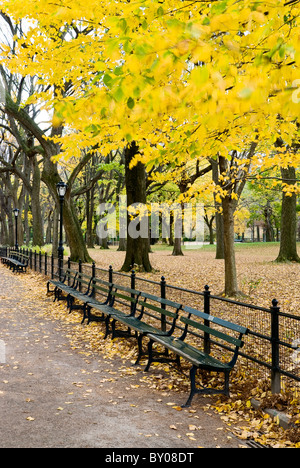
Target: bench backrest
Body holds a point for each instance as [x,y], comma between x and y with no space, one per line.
[125,296]
[83,280]
[159,309]
[20,257]
[102,288]
[69,277]
[228,332]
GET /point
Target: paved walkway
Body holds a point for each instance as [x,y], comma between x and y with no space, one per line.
[54,396]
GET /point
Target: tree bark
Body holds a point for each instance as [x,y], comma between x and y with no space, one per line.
[137,251]
[229,205]
[219,218]
[231,284]
[177,250]
[78,250]
[122,245]
[37,222]
[288,240]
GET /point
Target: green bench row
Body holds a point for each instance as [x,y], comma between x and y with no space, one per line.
[16,261]
[146,315]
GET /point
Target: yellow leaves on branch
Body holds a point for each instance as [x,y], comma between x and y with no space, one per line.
[185,82]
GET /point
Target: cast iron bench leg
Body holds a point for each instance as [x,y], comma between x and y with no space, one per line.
[193,372]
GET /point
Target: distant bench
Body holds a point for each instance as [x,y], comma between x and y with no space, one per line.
[145,315]
[16,261]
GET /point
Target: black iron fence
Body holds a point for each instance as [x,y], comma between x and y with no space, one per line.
[272,347]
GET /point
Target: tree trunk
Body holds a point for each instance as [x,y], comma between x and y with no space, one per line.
[51,177]
[268,221]
[37,222]
[171,238]
[90,195]
[78,250]
[211,233]
[231,285]
[137,252]
[122,245]
[288,240]
[49,228]
[219,218]
[55,233]
[177,251]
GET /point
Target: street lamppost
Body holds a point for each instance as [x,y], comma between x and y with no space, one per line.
[16,213]
[61,190]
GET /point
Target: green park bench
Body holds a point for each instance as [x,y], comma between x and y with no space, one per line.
[16,261]
[199,358]
[144,315]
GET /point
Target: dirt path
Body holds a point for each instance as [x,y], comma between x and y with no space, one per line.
[54,396]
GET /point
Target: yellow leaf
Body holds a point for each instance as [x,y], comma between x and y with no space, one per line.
[177,408]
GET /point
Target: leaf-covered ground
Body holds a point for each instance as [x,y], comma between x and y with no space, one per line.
[62,385]
[259,278]
[258,275]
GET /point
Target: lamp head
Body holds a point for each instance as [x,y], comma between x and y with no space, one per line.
[61,189]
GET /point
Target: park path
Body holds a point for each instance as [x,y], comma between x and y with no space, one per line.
[54,396]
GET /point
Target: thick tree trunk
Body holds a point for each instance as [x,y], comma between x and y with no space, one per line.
[137,251]
[37,222]
[288,240]
[122,245]
[177,251]
[78,250]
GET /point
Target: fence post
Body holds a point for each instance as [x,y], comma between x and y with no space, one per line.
[275,374]
[80,271]
[163,284]
[110,274]
[52,266]
[206,322]
[132,286]
[94,278]
[46,263]
[69,267]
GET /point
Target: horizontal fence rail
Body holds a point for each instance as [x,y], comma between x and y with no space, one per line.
[272,346]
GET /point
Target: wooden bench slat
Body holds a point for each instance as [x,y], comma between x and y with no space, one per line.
[212,331]
[218,321]
[123,296]
[157,309]
[176,305]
